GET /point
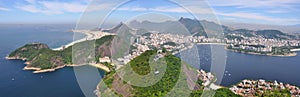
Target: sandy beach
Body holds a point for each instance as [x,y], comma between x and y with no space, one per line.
[101,66]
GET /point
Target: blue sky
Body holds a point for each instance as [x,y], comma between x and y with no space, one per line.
[275,12]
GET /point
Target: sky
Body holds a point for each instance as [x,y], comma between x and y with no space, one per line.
[274,12]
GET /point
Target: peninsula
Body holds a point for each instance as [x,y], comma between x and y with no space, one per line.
[40,58]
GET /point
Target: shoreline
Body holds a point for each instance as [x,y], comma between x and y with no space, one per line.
[101,66]
[271,55]
[90,35]
[250,53]
[40,70]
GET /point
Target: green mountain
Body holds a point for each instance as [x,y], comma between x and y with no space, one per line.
[39,55]
[173,79]
[273,34]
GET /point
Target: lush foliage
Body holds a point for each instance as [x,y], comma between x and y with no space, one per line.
[41,56]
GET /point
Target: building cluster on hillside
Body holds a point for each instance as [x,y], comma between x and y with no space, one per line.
[170,42]
[250,87]
[176,42]
[260,44]
[203,39]
[257,43]
[206,77]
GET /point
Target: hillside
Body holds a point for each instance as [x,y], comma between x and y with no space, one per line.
[38,55]
[173,79]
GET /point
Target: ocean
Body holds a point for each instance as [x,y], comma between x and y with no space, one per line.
[15,82]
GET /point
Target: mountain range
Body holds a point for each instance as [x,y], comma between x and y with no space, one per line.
[195,27]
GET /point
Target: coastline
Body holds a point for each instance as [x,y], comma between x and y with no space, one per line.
[250,53]
[101,66]
[40,70]
[253,53]
[89,36]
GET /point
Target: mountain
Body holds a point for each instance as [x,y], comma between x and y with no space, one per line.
[119,27]
[194,26]
[283,28]
[162,27]
[197,28]
[273,34]
[183,25]
[41,57]
[164,73]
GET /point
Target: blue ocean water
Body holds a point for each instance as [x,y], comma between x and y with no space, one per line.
[15,82]
[241,66]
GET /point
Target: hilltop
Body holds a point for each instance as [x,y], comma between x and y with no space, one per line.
[41,58]
[167,76]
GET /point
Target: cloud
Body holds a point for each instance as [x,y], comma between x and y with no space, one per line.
[195,10]
[4,9]
[270,11]
[254,3]
[56,7]
[257,16]
[30,1]
[271,6]
[63,6]
[133,9]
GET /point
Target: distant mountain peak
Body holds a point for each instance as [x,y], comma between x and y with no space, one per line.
[121,25]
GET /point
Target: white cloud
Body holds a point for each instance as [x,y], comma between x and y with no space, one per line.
[63,6]
[254,3]
[34,9]
[195,10]
[52,7]
[133,9]
[4,9]
[271,6]
[56,7]
[30,1]
[256,16]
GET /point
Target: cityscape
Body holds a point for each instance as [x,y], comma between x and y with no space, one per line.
[149,48]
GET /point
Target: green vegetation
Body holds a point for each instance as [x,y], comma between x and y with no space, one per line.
[281,50]
[140,65]
[231,37]
[274,93]
[173,79]
[223,92]
[166,83]
[274,34]
[244,32]
[41,56]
